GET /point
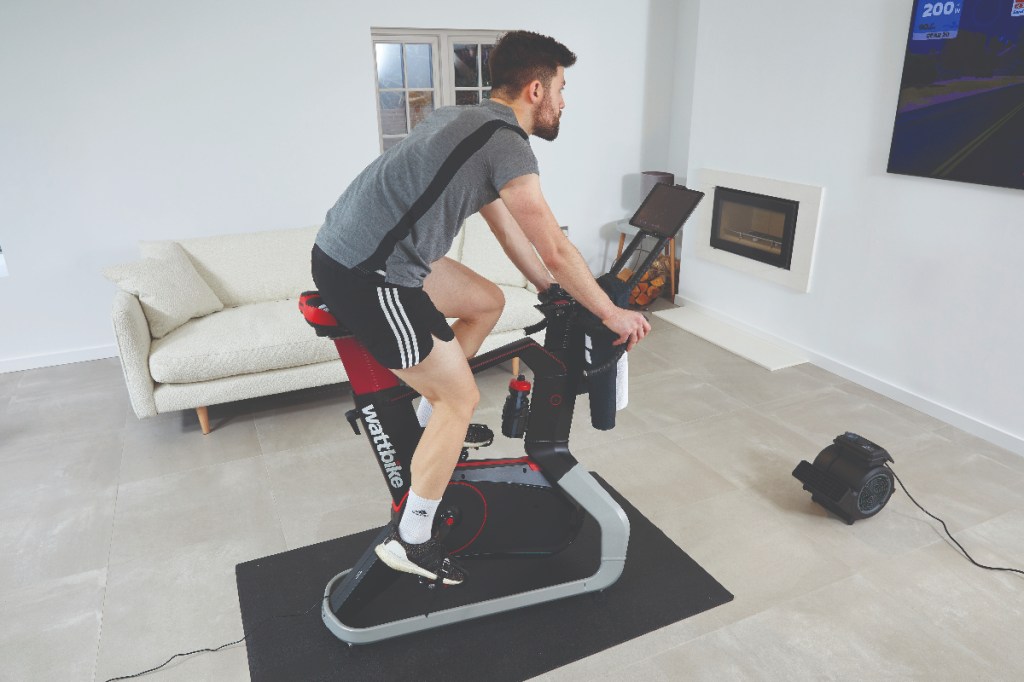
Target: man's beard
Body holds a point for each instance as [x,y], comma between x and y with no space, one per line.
[546,120]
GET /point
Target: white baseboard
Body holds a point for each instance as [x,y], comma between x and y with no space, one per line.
[756,349]
[952,417]
[53,359]
[961,421]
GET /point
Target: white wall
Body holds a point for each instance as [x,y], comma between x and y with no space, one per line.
[125,121]
[917,284]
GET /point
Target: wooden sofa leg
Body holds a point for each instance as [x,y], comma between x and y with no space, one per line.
[515,366]
[204,419]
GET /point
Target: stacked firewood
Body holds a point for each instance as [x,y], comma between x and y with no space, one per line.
[651,284]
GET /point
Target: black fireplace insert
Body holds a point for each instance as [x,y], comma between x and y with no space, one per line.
[754,226]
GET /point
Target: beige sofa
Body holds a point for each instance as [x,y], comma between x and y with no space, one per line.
[213,320]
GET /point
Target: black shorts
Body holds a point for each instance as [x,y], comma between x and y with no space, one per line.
[397,325]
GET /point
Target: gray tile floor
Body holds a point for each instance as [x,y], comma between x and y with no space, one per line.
[119,537]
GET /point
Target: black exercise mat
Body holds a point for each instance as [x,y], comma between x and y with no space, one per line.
[659,585]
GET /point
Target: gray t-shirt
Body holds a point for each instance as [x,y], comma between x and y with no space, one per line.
[405,209]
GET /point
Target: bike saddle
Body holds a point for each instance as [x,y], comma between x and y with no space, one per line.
[319,316]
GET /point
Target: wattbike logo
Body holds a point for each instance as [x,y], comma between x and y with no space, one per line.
[385,451]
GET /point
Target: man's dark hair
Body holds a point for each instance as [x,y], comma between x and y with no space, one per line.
[521,57]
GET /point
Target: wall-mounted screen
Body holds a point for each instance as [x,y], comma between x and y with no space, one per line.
[961,106]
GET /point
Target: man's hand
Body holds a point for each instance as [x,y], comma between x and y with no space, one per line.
[630,325]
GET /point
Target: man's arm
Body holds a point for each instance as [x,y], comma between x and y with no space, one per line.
[515,244]
[526,204]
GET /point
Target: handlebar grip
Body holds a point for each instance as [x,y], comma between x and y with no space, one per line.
[552,293]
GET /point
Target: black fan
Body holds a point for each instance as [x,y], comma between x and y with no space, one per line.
[849,477]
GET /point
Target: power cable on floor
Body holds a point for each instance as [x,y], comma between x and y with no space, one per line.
[969,557]
[222,646]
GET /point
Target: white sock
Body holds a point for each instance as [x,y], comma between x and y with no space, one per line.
[418,520]
[423,411]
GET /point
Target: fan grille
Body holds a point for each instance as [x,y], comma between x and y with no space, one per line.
[874,494]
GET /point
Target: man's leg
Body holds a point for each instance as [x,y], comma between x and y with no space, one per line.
[459,292]
[445,379]
[476,302]
[447,384]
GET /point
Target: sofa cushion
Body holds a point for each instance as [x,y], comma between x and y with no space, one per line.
[519,312]
[482,253]
[168,287]
[250,267]
[244,340]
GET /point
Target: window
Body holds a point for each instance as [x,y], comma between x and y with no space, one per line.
[418,71]
[472,75]
[407,87]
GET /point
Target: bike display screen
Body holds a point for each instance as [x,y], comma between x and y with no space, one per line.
[665,209]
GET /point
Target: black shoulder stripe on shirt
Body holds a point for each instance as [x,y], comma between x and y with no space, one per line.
[459,156]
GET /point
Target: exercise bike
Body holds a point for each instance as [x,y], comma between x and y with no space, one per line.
[512,521]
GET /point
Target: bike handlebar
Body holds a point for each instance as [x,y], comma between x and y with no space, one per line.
[556,299]
[601,375]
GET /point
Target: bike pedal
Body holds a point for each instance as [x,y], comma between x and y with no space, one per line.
[353,420]
[478,436]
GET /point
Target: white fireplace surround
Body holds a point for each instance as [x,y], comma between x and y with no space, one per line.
[798,277]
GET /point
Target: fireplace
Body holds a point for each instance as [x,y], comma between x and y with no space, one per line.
[755,226]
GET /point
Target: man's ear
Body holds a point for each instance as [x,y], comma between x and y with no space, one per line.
[534,91]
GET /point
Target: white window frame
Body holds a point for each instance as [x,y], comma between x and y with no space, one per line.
[402,38]
[443,63]
[478,38]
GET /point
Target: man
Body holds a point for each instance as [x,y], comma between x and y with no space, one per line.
[380,267]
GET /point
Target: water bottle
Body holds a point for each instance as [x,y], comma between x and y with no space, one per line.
[517,408]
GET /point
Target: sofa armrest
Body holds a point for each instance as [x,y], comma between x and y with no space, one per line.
[133,344]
